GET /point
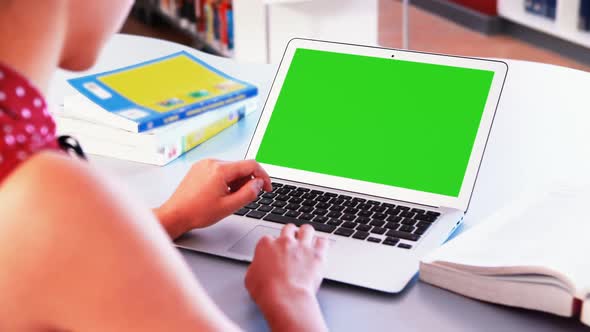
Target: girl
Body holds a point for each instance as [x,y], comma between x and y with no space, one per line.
[77,254]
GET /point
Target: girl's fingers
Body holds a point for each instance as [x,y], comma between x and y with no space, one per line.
[289,231]
[244,195]
[321,243]
[305,234]
[246,168]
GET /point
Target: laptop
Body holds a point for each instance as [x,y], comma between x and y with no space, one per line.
[378,149]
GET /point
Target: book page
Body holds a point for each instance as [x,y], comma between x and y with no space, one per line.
[546,231]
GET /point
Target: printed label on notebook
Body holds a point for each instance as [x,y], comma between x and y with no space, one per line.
[133,113]
[97,90]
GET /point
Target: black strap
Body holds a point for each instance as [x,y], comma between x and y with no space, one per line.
[70,144]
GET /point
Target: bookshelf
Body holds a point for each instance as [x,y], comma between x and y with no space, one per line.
[208,22]
[188,18]
[260,29]
[566,24]
[199,42]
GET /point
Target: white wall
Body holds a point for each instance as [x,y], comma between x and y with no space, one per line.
[351,21]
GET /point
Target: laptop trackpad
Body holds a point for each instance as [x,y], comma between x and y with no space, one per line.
[246,245]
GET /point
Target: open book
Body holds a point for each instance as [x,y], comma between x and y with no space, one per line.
[532,254]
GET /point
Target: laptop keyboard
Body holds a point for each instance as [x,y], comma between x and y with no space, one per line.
[343,215]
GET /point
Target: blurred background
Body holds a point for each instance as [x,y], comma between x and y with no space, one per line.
[549,31]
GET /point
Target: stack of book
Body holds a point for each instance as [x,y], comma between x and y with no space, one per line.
[155,111]
[544,8]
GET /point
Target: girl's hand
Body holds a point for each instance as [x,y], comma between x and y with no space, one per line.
[284,277]
[210,191]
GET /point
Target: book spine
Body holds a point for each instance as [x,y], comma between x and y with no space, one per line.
[196,138]
[216,25]
[541,7]
[230,28]
[223,36]
[150,139]
[584,23]
[164,152]
[208,17]
[544,8]
[200,16]
[551,9]
[191,12]
[528,5]
[534,7]
[191,140]
[199,108]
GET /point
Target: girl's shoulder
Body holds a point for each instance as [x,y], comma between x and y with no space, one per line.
[53,186]
[26,126]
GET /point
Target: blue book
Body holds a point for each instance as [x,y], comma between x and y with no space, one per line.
[216,24]
[551,8]
[230,29]
[528,6]
[543,5]
[584,23]
[536,7]
[158,92]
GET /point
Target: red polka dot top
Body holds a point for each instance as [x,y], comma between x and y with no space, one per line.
[26,127]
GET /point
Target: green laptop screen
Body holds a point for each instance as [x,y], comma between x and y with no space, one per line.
[399,123]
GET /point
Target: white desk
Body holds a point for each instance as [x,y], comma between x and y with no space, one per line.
[541,132]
